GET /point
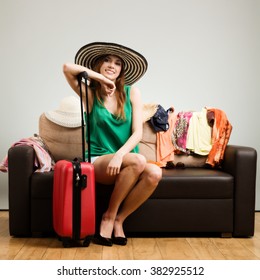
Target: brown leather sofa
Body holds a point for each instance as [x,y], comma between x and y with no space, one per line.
[194,200]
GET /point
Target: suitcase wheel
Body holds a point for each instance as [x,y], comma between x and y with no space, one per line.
[67,243]
[86,241]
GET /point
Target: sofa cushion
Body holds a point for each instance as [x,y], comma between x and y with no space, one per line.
[190,183]
[65,143]
[147,146]
[194,183]
[62,142]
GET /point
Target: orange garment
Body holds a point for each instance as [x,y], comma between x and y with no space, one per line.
[165,148]
[221,132]
[160,164]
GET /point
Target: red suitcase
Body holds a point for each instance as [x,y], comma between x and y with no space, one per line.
[74,194]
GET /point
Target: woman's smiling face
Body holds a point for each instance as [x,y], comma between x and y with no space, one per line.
[111,67]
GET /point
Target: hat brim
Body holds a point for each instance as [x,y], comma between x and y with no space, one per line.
[135,65]
[64,118]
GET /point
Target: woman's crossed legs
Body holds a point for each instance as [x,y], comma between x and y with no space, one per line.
[134,184]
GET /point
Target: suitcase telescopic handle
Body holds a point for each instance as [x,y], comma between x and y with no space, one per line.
[84,75]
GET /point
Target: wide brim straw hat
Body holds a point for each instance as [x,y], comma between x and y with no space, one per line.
[149,111]
[68,114]
[135,64]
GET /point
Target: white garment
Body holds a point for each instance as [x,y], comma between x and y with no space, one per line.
[199,134]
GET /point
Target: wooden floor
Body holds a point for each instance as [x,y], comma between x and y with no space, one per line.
[179,248]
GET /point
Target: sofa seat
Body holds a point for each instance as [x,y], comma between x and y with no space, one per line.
[194,183]
[194,186]
[187,200]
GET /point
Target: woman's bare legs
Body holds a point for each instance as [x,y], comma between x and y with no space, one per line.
[148,182]
[133,165]
[135,183]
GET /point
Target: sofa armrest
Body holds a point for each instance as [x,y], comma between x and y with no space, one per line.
[241,162]
[20,169]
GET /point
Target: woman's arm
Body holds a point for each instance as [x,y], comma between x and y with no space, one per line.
[71,72]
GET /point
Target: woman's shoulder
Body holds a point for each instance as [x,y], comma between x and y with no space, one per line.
[131,89]
[134,94]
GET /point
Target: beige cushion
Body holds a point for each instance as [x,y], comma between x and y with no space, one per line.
[62,142]
[65,143]
[147,145]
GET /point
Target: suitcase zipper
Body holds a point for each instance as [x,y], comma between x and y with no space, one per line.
[76,216]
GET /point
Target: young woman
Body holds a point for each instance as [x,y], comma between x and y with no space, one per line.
[116,116]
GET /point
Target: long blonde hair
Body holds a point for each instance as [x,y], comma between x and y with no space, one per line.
[120,92]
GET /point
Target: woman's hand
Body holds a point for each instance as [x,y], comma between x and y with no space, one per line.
[114,165]
[108,86]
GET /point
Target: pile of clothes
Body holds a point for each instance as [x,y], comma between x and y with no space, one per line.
[204,133]
[43,160]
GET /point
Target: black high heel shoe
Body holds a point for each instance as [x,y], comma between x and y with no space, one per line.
[104,241]
[119,240]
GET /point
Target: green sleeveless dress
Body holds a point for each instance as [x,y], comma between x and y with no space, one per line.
[108,133]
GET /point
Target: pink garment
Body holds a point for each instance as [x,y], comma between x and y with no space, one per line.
[181,130]
[42,162]
[165,148]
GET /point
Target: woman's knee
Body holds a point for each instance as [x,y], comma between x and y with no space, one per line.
[136,161]
[153,174]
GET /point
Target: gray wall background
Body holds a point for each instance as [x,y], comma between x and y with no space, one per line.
[200,53]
